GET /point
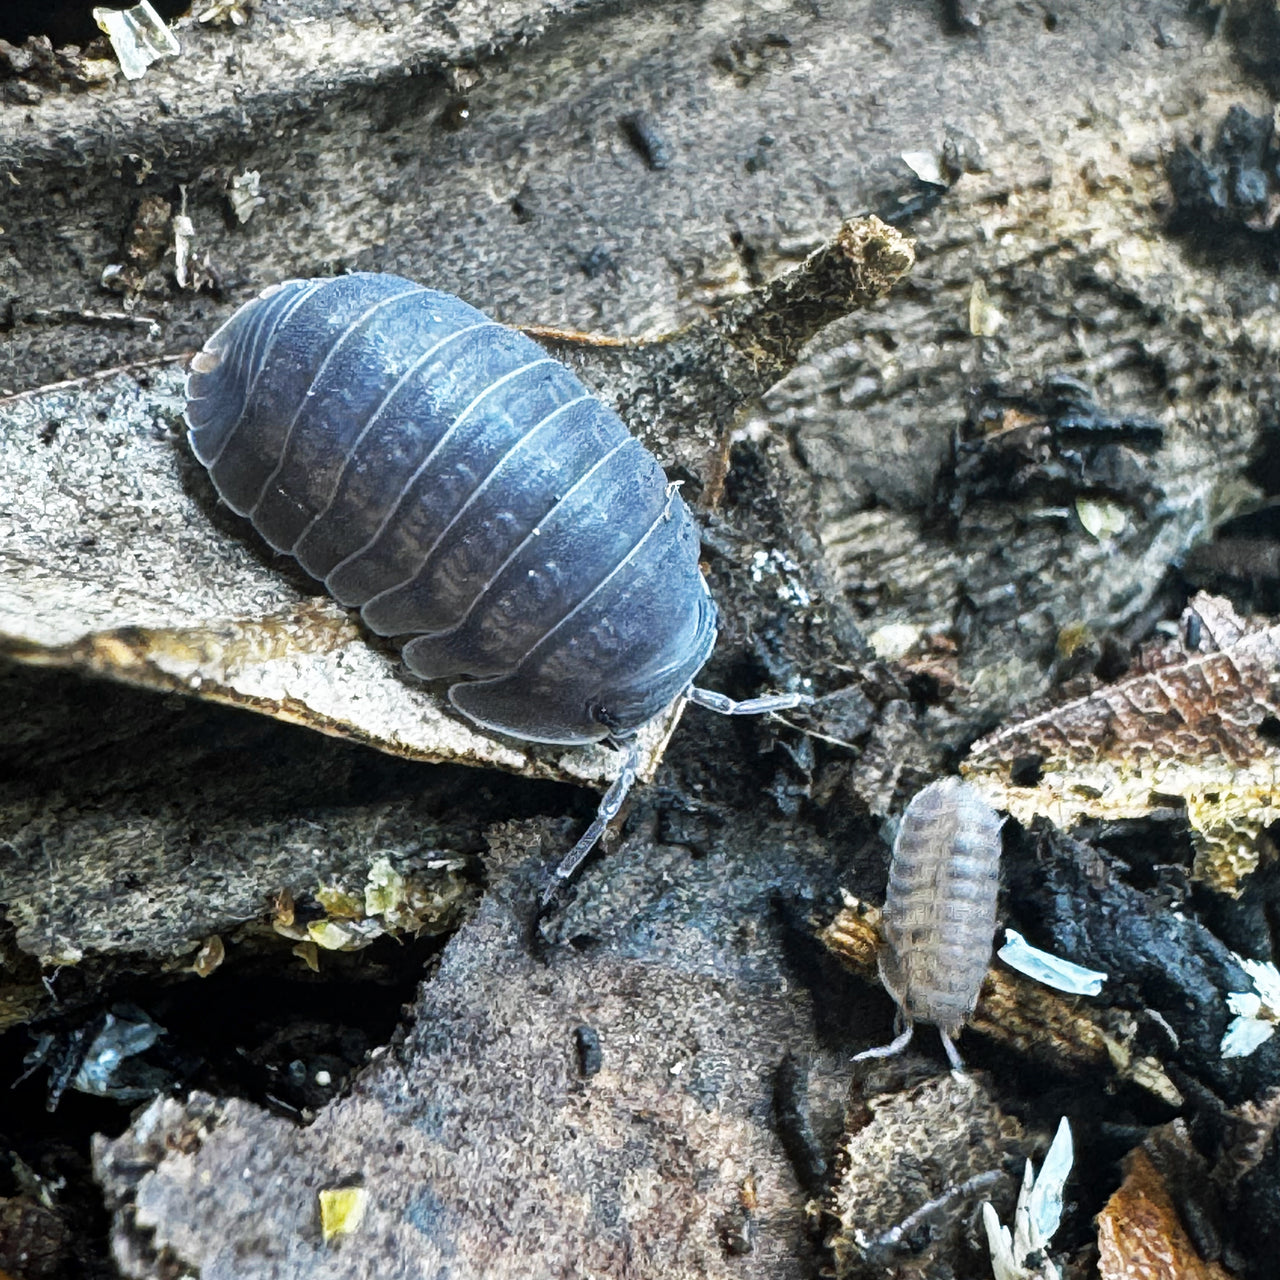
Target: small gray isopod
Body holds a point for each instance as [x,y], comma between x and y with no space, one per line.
[940,911]
[460,487]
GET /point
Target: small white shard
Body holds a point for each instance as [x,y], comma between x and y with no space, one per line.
[926,167]
[1244,1036]
[1266,982]
[1257,1012]
[1245,1004]
[183,233]
[1044,1205]
[139,37]
[1000,1246]
[243,194]
[1048,969]
[894,640]
[1022,1253]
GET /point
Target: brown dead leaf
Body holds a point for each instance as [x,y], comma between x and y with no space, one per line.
[1188,725]
[1140,1236]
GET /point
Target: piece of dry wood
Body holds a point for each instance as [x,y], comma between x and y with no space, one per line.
[481,1142]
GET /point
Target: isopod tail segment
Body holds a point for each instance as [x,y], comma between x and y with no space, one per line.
[903,1038]
[614,798]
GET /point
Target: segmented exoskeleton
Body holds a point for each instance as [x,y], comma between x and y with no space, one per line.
[460,487]
[940,910]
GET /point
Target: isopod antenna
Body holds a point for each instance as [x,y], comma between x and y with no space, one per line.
[726,706]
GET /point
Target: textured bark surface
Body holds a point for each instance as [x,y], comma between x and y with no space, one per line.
[628,170]
[482,1143]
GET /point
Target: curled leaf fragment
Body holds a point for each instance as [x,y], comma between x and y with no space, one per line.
[211,954]
[1140,1235]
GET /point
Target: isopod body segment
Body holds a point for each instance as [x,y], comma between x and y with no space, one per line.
[940,909]
[460,487]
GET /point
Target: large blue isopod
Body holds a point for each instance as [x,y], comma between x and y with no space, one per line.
[444,475]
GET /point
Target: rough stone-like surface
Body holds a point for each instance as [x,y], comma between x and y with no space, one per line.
[900,1205]
[482,1144]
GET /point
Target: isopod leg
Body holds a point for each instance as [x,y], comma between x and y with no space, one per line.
[726,706]
[896,1045]
[605,814]
[953,1054]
